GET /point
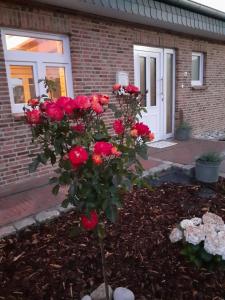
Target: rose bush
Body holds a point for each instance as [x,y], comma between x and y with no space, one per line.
[96,161]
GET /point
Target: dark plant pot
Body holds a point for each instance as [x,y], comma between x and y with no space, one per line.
[183,134]
[207,172]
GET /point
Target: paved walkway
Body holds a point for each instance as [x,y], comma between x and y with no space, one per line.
[20,201]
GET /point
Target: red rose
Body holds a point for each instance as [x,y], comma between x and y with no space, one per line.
[78,156]
[118,126]
[97,107]
[33,116]
[90,222]
[151,136]
[54,112]
[116,152]
[62,101]
[142,129]
[116,87]
[103,148]
[82,102]
[132,89]
[69,107]
[94,98]
[78,128]
[97,159]
[44,105]
[134,133]
[104,99]
[33,102]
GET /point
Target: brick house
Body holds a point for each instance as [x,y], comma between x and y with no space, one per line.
[175,49]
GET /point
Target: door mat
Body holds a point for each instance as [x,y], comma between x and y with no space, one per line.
[161,144]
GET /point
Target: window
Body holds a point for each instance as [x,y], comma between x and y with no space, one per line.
[30,57]
[197,68]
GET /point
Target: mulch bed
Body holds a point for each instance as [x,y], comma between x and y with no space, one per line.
[53,263]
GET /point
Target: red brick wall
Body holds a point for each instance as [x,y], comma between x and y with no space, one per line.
[99,48]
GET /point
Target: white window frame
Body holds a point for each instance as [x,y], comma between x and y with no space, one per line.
[201,70]
[39,60]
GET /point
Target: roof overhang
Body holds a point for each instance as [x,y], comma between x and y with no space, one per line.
[183,16]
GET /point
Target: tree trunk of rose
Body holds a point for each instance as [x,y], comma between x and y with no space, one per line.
[101,234]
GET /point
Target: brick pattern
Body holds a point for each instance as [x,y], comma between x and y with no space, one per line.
[99,48]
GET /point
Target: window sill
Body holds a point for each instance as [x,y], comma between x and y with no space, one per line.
[199,87]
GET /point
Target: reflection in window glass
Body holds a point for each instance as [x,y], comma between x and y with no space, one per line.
[22,83]
[143,78]
[30,44]
[195,67]
[169,93]
[153,81]
[57,74]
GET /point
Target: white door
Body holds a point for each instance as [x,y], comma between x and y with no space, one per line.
[152,72]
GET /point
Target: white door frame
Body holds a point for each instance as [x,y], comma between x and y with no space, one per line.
[163,70]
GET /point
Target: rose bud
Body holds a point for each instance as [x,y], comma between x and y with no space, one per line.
[97,159]
[90,222]
[134,133]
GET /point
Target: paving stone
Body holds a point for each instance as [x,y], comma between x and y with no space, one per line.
[86,297]
[157,170]
[7,230]
[65,209]
[24,223]
[188,170]
[47,215]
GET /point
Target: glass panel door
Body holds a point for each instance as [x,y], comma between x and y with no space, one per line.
[169,91]
[148,73]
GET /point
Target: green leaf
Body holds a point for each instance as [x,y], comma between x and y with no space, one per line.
[142,151]
[64,178]
[112,107]
[101,137]
[65,164]
[43,158]
[118,114]
[33,166]
[55,190]
[53,180]
[111,213]
[206,256]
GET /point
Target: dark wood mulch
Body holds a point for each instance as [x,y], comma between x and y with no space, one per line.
[50,263]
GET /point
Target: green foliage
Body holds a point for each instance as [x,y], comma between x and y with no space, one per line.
[210,157]
[92,186]
[197,255]
[184,125]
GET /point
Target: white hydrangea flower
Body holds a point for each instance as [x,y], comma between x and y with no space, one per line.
[196,221]
[221,243]
[209,229]
[210,218]
[194,234]
[176,235]
[211,244]
[185,223]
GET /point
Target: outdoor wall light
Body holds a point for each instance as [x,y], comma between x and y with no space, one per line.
[122,77]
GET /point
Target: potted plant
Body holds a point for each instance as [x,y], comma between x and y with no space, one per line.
[183,131]
[207,167]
